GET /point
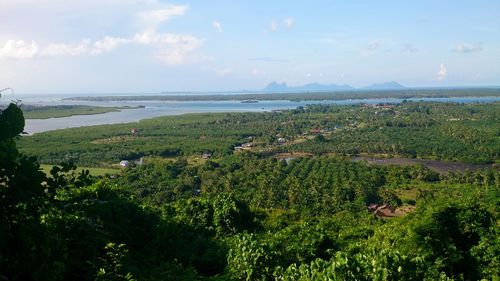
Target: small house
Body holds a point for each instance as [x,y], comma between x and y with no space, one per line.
[281,140]
[382,211]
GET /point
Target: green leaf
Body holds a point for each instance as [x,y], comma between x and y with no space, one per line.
[11,122]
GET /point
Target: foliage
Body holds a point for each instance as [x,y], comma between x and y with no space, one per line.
[248,259]
[441,131]
[383,265]
[111,264]
[250,216]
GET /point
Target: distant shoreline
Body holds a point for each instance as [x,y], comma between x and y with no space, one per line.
[398,94]
[60,111]
[155,109]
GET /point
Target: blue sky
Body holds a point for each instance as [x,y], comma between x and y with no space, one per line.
[134,46]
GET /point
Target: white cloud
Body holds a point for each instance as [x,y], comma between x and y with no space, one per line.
[468,48]
[289,22]
[151,37]
[175,49]
[217,26]
[107,44]
[442,73]
[273,26]
[171,56]
[55,49]
[85,47]
[154,17]
[172,48]
[176,56]
[19,49]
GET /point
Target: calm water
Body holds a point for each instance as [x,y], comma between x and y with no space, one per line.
[162,108]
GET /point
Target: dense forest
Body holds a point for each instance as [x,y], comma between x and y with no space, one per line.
[248,216]
[443,131]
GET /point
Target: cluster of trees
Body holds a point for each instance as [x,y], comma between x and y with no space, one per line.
[442,131]
[242,217]
[70,226]
[465,133]
[321,185]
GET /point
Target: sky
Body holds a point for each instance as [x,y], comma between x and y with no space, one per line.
[145,46]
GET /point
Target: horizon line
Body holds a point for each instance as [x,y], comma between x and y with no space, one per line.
[364,89]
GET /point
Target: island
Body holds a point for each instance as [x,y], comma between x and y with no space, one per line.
[58,111]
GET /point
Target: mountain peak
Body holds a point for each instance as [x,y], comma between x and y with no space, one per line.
[317,87]
[276,87]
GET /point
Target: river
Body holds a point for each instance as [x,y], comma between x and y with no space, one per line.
[162,108]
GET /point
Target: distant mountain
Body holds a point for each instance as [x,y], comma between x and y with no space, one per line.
[312,87]
[385,86]
[276,87]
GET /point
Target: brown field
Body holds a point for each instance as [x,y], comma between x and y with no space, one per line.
[438,166]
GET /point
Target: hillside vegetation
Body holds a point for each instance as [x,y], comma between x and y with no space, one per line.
[248,216]
[443,131]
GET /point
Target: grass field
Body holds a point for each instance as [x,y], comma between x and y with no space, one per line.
[93,171]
